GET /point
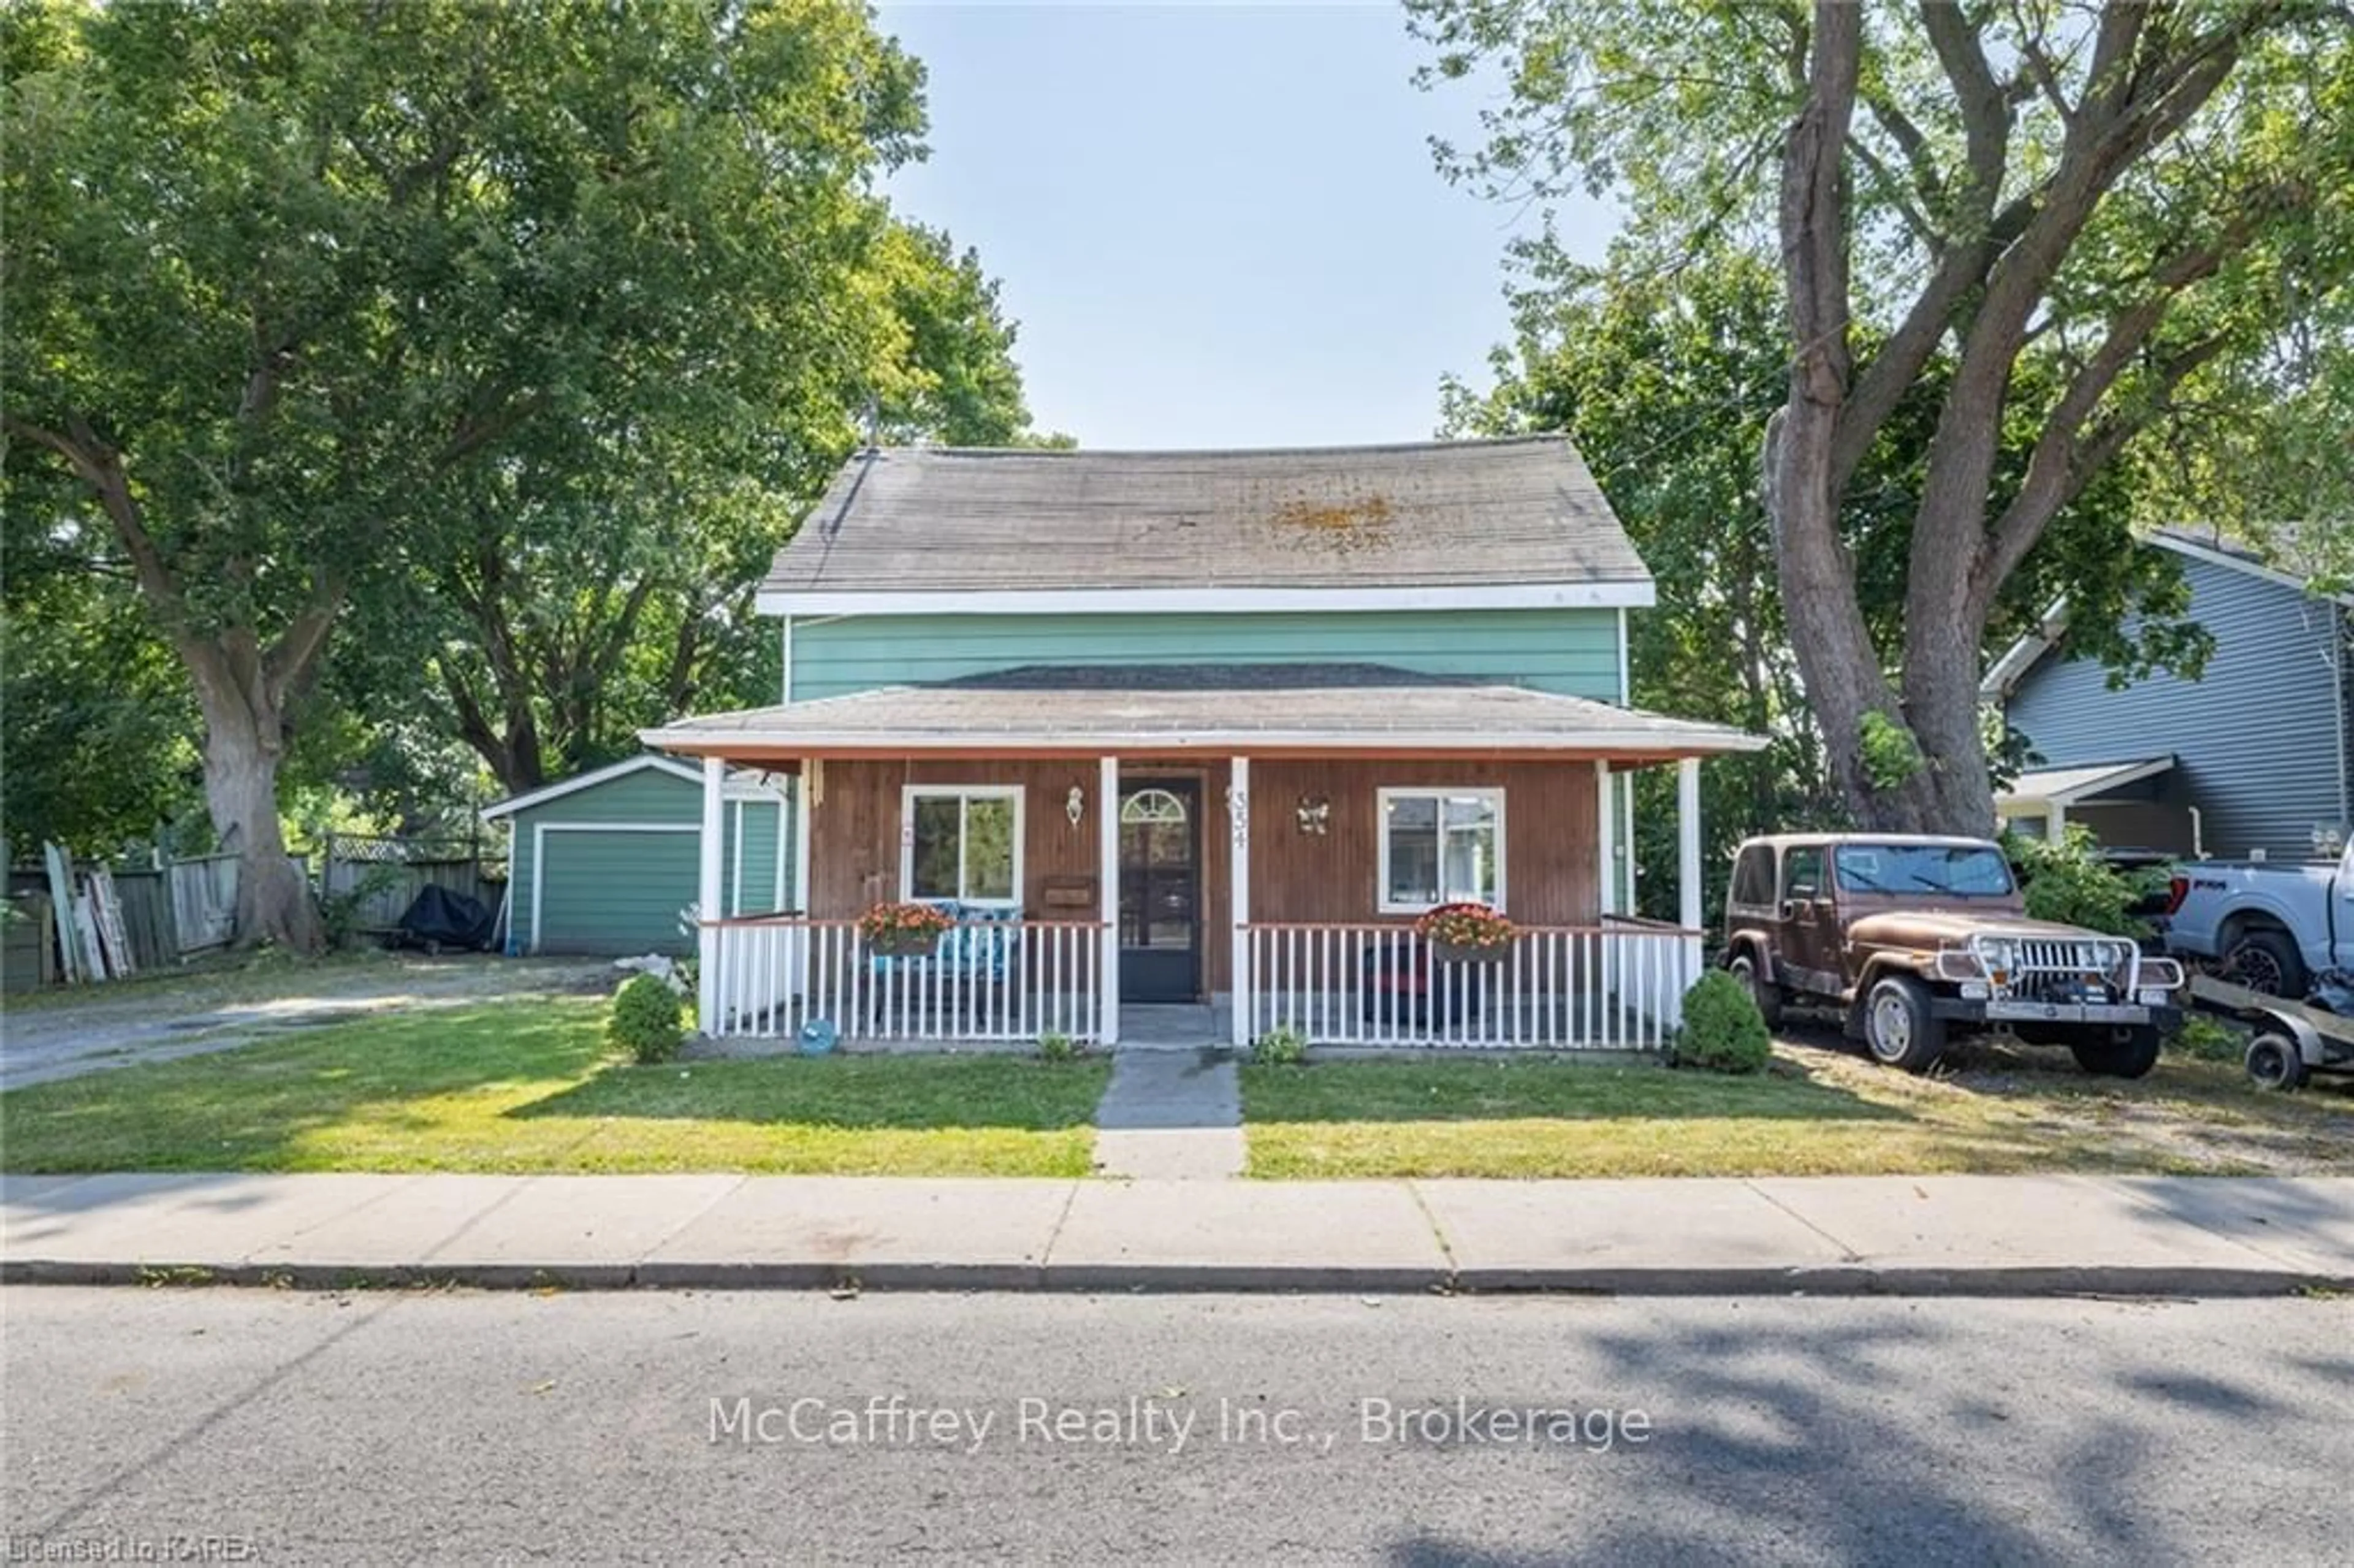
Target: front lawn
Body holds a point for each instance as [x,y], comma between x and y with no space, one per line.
[513,1088]
[1816,1111]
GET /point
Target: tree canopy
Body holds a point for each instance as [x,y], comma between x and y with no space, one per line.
[2029,230]
[494,343]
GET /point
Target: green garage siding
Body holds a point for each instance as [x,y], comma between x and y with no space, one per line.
[607,891]
[761,871]
[648,795]
[607,868]
[1572,652]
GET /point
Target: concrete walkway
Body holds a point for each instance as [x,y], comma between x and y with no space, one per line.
[1908,1235]
[1171,1115]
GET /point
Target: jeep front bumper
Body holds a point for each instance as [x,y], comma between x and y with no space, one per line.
[2019,1010]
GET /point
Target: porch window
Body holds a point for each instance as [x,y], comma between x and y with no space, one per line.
[1441,846]
[962,843]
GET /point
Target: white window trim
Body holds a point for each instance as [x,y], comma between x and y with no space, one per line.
[910,793]
[1382,799]
[1639,593]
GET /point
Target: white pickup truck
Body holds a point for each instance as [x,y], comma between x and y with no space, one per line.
[2275,928]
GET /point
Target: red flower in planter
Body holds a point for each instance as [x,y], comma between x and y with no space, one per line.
[892,925]
[1466,926]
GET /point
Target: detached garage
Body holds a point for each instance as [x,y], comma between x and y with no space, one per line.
[605,862]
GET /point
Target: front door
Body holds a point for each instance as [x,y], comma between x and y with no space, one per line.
[1160,888]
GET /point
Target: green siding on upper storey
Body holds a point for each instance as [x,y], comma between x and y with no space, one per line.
[1573,652]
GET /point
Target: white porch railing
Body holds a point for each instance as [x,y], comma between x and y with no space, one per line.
[986,981]
[1614,986]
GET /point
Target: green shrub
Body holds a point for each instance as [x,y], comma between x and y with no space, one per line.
[1285,1047]
[339,913]
[644,1020]
[1056,1047]
[2209,1040]
[2068,881]
[1888,753]
[1722,1030]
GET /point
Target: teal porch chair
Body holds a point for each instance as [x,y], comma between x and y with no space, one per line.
[979,952]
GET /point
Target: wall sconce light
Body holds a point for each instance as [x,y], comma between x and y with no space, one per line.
[1075,804]
[1315,815]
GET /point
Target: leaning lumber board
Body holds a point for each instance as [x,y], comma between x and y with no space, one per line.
[93,957]
[61,899]
[107,905]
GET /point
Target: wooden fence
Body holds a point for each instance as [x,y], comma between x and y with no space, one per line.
[152,917]
[149,920]
[380,877]
[203,897]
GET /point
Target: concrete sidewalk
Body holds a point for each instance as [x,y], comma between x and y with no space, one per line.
[1903,1235]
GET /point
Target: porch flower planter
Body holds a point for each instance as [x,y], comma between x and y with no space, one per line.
[1468,934]
[904,930]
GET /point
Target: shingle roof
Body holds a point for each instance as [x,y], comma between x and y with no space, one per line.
[1444,513]
[1207,707]
[2067,786]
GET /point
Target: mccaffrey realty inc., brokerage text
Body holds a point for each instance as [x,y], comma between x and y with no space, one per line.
[1171,1422]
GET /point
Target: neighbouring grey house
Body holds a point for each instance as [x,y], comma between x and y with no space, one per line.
[2255,759]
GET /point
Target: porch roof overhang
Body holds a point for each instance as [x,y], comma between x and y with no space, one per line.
[2065,786]
[1201,709]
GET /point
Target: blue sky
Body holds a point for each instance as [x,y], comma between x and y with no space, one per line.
[1218,225]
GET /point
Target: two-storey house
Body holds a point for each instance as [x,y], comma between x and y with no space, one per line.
[1202,731]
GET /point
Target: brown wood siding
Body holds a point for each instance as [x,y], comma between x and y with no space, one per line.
[854,831]
[1549,837]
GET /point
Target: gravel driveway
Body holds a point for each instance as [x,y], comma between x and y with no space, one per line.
[156,1020]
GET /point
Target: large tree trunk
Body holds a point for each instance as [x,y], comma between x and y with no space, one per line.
[1912,765]
[1919,763]
[1837,659]
[1952,793]
[244,744]
[243,689]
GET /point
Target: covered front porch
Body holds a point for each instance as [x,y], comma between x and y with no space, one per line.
[1249,847]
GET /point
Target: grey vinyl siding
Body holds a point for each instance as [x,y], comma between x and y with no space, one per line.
[2257,739]
[2346,714]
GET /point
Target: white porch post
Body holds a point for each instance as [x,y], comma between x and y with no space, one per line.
[802,840]
[709,898]
[1606,877]
[1689,887]
[1107,870]
[803,941]
[1240,982]
[1630,896]
[1606,820]
[1687,879]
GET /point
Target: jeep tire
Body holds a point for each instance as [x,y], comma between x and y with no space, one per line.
[1746,966]
[1899,1029]
[2119,1053]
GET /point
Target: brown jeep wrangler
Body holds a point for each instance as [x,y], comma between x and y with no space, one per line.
[1907,934]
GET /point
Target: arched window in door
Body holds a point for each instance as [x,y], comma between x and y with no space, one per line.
[1154,808]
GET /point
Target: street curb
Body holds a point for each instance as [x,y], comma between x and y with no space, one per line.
[1828,1281]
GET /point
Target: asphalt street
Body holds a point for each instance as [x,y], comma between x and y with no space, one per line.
[216,1424]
